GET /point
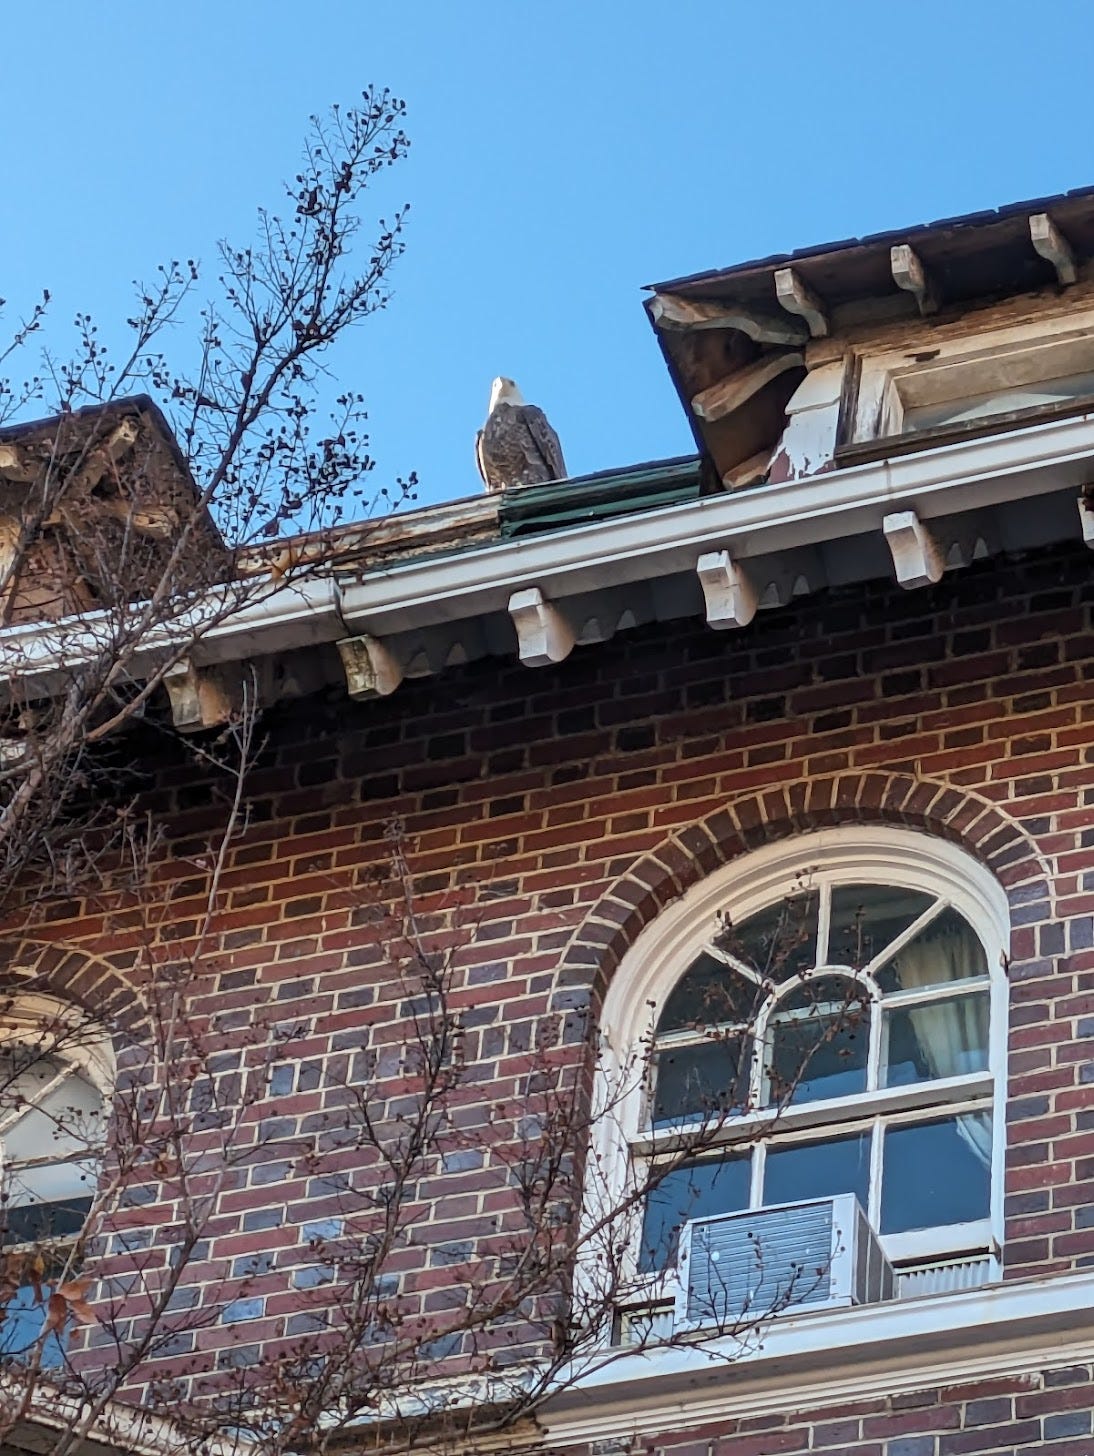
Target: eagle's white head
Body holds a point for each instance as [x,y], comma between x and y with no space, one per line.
[504,391]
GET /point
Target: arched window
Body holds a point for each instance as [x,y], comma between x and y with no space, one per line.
[826,1017]
[55,1074]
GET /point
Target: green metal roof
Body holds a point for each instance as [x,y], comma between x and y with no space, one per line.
[531,509]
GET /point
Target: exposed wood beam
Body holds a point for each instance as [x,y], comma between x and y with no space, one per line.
[673,312]
[1054,247]
[797,297]
[729,594]
[910,274]
[916,556]
[728,394]
[372,671]
[749,471]
[543,633]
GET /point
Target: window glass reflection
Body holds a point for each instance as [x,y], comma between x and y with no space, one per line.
[936,1173]
[701,1080]
[709,993]
[999,401]
[818,1170]
[947,949]
[944,1038]
[696,1190]
[819,1042]
[778,942]
[867,918]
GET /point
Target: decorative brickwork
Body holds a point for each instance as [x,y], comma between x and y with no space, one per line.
[758,818]
[94,983]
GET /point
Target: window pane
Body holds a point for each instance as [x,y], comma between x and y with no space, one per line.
[936,1173]
[778,942]
[819,1042]
[34,1223]
[58,1182]
[867,918]
[697,1081]
[999,401]
[947,950]
[695,1190]
[66,1120]
[947,1038]
[800,1171]
[709,993]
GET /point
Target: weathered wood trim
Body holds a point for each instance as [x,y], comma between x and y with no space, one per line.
[749,471]
[671,313]
[797,297]
[728,394]
[884,447]
[1053,247]
[910,274]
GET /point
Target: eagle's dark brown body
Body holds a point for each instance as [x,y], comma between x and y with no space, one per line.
[517,446]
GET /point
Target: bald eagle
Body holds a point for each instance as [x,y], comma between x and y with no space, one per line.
[516,446]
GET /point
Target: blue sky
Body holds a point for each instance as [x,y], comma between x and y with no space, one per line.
[565,152]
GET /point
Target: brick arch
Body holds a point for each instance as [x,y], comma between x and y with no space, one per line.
[76,976]
[689,854]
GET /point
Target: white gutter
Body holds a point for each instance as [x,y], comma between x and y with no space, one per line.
[759,521]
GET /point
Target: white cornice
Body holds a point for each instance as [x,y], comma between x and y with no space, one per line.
[763,521]
[803,1363]
[760,521]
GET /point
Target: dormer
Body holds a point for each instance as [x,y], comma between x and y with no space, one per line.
[903,342]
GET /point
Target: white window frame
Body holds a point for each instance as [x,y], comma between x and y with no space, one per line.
[943,369]
[654,964]
[89,1053]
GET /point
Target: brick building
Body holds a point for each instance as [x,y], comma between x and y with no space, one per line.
[841,660]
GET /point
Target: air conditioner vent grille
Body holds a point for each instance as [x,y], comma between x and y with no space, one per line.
[741,1271]
[739,1268]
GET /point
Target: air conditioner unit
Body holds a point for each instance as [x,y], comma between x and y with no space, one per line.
[742,1267]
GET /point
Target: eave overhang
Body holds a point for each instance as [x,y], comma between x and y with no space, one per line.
[980,255]
[544,595]
[738,341]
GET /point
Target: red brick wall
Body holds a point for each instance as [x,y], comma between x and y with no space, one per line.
[551,811]
[1051,1411]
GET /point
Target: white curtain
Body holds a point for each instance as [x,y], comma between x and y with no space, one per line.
[952,1035]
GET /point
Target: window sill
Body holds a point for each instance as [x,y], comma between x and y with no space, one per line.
[797,1361]
[883,447]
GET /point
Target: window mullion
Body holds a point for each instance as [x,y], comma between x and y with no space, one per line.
[29,1104]
[876,1141]
[759,1053]
[873,1062]
[938,991]
[824,922]
[756,1185]
[898,943]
